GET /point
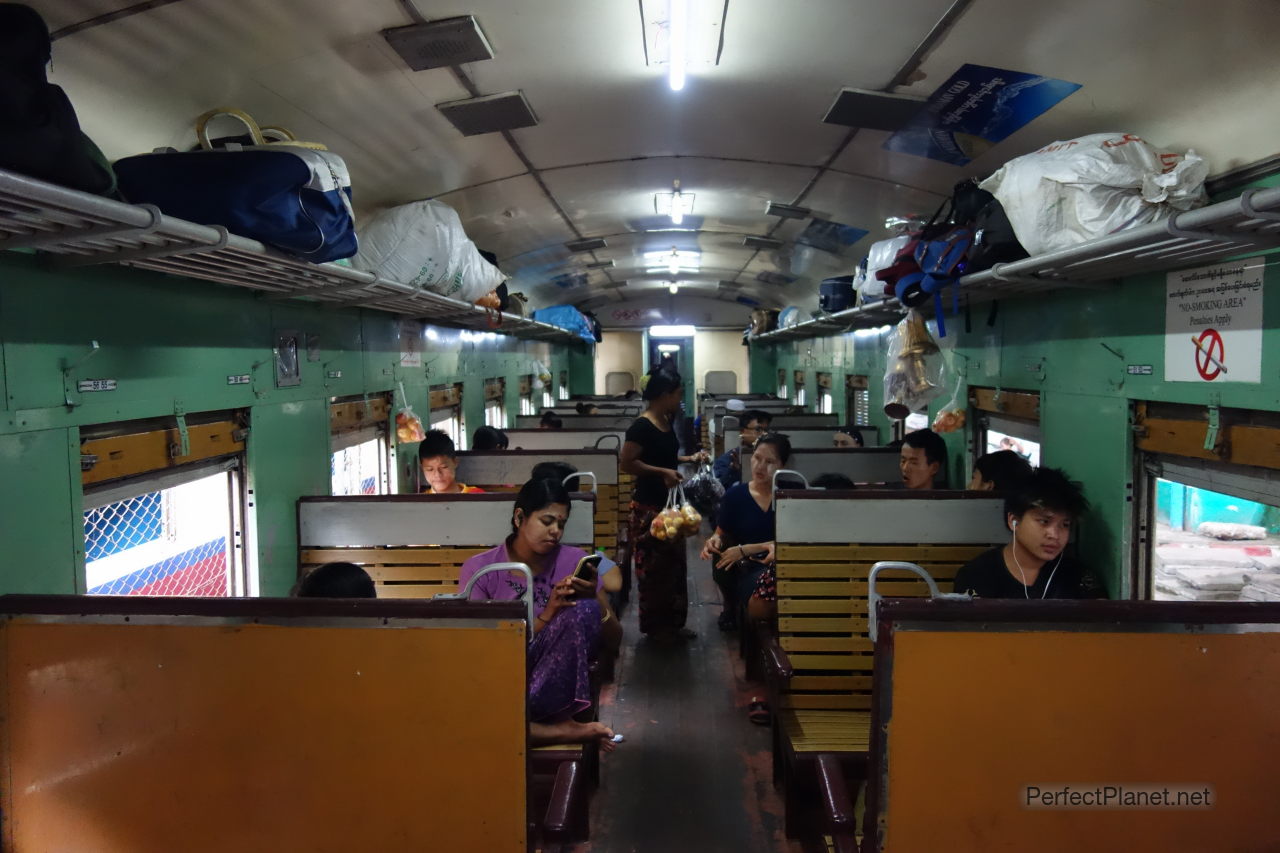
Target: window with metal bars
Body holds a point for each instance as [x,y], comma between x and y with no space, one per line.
[360,463]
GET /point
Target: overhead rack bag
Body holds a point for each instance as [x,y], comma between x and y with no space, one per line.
[1074,191]
[294,196]
[423,244]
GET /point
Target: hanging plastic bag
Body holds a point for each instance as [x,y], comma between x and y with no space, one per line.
[951,417]
[423,244]
[704,491]
[677,519]
[1080,189]
[408,424]
[913,368]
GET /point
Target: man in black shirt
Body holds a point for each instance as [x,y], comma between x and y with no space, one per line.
[1033,565]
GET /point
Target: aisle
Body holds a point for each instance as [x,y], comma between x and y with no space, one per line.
[694,775]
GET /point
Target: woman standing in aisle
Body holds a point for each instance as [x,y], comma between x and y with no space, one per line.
[651,453]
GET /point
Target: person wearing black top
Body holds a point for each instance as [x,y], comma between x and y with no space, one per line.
[651,452]
[1034,565]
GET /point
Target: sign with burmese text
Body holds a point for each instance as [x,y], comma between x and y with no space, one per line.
[1213,323]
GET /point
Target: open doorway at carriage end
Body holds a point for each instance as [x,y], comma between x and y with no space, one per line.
[666,346]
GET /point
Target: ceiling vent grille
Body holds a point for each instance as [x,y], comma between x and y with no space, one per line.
[489,113]
[873,110]
[600,265]
[588,244]
[437,44]
[786,211]
[725,284]
[777,278]
[765,243]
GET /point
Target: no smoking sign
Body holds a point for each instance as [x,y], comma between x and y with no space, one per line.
[1213,323]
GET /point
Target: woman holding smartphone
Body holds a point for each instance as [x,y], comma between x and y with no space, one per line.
[573,618]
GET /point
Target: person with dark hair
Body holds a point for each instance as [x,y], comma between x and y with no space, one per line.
[487,438]
[550,420]
[922,459]
[728,467]
[1034,565]
[832,481]
[743,544]
[847,437]
[1002,471]
[651,452]
[585,408]
[562,472]
[336,580]
[439,464]
[573,616]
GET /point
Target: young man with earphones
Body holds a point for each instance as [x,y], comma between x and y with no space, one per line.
[1034,565]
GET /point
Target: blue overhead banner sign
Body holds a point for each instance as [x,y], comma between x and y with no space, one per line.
[978,107]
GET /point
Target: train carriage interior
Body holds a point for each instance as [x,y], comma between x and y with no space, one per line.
[723,403]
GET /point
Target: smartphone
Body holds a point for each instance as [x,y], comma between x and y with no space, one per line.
[588,568]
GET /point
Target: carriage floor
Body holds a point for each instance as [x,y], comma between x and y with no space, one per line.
[694,774]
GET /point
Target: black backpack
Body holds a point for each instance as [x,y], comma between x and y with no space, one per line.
[39,134]
[993,239]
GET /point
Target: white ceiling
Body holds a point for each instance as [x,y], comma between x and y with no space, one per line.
[611,134]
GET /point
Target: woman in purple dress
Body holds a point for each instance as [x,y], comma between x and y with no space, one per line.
[573,618]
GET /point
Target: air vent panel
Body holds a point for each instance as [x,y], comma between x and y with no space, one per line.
[600,265]
[873,110]
[489,113]
[775,278]
[786,211]
[438,44]
[588,244]
[765,243]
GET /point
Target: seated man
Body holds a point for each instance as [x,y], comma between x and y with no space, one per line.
[847,437]
[1002,471]
[550,421]
[1034,564]
[728,467]
[439,463]
[923,460]
[487,438]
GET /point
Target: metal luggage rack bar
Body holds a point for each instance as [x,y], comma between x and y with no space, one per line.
[1240,226]
[78,229]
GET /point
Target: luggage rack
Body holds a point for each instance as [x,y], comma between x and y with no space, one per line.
[79,229]
[1238,226]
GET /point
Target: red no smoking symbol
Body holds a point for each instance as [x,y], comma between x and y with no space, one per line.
[1210,354]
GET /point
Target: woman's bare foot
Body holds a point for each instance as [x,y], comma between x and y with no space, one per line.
[571,731]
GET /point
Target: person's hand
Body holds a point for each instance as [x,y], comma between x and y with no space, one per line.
[671,478]
[711,548]
[561,597]
[700,457]
[769,554]
[730,556]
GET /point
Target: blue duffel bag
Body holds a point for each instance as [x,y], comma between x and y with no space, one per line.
[568,318]
[290,195]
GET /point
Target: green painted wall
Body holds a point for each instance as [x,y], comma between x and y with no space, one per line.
[170,343]
[1054,345]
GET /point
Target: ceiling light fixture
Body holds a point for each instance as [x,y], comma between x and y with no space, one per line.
[668,348]
[679,56]
[672,262]
[672,331]
[673,265]
[674,287]
[677,204]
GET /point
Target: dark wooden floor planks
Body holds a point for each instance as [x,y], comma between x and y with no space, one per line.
[694,774]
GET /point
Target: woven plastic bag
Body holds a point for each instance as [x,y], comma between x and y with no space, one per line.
[1079,189]
[423,244]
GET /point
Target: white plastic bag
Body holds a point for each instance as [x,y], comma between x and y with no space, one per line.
[423,244]
[880,256]
[1080,189]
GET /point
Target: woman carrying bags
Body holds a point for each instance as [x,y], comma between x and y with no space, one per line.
[651,452]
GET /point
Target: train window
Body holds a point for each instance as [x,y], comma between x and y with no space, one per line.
[527,405]
[164,507]
[548,401]
[1006,420]
[564,385]
[857,400]
[825,405]
[783,393]
[721,382]
[446,413]
[1208,515]
[495,410]
[360,463]
[799,388]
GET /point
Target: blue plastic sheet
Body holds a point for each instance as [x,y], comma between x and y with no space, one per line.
[566,317]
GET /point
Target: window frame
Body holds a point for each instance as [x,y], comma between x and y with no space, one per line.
[358,419]
[857,399]
[448,399]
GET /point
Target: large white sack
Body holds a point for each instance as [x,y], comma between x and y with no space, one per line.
[1080,189]
[423,244]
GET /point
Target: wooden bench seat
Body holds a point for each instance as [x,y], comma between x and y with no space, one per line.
[820,664]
